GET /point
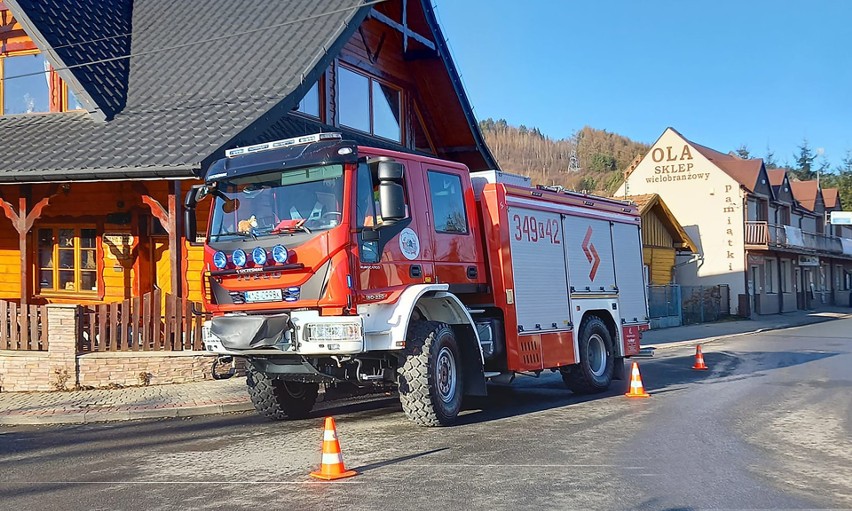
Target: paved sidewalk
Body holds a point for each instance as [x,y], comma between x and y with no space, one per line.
[223,396]
[102,405]
[709,332]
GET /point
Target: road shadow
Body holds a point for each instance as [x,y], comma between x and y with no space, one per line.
[723,366]
[400,459]
[528,395]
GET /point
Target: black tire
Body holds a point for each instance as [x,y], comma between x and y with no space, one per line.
[595,371]
[278,399]
[430,379]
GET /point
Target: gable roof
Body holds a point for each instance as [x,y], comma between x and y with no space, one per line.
[776,176]
[805,193]
[653,202]
[198,80]
[830,197]
[744,171]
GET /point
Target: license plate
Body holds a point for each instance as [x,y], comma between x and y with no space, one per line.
[265,295]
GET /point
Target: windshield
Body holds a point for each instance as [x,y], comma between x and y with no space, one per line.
[300,200]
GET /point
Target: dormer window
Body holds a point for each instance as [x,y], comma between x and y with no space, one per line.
[28,84]
[25,84]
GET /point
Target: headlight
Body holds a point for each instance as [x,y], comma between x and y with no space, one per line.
[258,255]
[220,260]
[279,254]
[239,257]
[325,332]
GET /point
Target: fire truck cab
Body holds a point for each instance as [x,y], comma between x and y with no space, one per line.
[328,262]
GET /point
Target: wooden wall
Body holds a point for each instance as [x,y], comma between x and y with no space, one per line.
[377,49]
[125,269]
[10,261]
[657,248]
[660,261]
[12,36]
[654,232]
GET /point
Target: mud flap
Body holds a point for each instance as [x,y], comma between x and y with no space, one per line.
[618,368]
[474,375]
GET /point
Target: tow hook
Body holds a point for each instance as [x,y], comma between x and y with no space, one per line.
[222,361]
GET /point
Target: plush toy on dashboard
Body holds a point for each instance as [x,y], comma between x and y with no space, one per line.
[247,225]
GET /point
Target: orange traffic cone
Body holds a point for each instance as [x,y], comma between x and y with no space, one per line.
[699,360]
[636,387]
[332,460]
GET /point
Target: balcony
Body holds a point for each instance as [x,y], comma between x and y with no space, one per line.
[759,234]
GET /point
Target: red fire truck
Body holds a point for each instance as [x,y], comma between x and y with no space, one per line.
[329,262]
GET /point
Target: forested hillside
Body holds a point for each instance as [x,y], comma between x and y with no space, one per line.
[592,160]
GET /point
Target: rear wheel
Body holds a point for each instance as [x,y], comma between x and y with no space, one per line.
[595,370]
[278,399]
[430,380]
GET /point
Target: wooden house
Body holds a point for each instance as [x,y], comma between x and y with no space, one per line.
[663,238]
[111,110]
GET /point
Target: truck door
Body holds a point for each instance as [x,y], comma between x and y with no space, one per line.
[455,242]
[401,257]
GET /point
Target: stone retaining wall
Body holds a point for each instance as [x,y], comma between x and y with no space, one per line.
[61,368]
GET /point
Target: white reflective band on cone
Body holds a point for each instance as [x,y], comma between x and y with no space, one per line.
[329,434]
[330,458]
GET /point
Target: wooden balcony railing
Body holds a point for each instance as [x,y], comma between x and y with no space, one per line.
[757,233]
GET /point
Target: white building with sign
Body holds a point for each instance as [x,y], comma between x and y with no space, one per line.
[758,232]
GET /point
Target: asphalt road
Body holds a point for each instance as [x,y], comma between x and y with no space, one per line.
[767,427]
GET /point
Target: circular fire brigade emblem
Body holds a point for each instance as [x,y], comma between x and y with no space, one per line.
[409,243]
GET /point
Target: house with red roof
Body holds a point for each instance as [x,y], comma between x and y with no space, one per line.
[759,232]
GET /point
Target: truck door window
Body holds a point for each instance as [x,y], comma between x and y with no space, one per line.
[368,213]
[447,202]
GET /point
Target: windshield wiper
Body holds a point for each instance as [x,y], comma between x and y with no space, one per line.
[244,234]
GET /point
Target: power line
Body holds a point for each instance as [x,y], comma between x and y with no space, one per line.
[186,45]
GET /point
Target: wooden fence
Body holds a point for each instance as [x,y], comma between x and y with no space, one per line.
[146,323]
[23,327]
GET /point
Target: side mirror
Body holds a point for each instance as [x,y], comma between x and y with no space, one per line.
[389,170]
[391,175]
[190,222]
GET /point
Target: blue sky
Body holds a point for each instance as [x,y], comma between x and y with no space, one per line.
[723,73]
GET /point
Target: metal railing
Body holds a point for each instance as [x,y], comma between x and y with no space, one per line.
[764,234]
[702,304]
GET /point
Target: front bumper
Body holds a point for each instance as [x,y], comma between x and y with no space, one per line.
[294,333]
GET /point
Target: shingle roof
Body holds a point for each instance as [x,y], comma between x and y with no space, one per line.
[805,193]
[829,196]
[181,104]
[744,171]
[776,176]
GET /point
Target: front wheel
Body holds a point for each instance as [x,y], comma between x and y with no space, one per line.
[430,380]
[595,371]
[278,399]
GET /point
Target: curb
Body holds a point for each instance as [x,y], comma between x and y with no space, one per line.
[88,417]
[708,340]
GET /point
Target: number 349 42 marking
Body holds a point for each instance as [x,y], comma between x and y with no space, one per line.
[529,228]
